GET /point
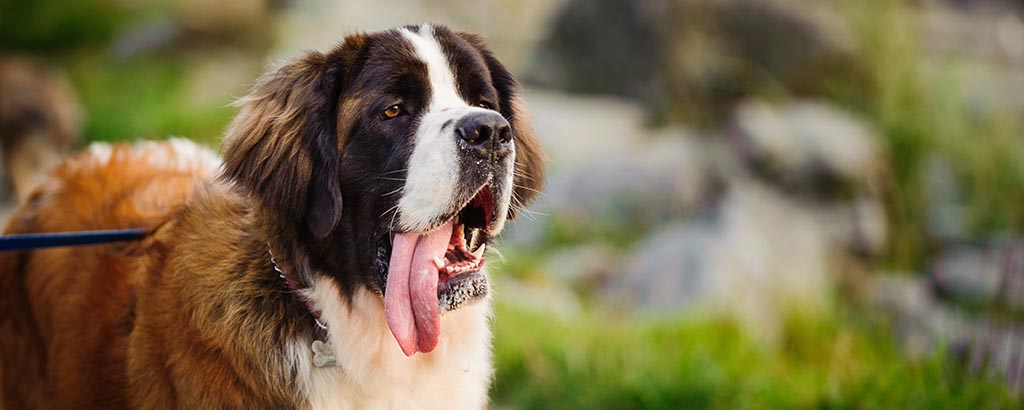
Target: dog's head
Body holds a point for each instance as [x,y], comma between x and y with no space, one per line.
[389,163]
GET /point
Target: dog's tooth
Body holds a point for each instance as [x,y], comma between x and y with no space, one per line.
[439,262]
[479,253]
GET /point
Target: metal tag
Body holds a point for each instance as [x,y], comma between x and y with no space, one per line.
[323,354]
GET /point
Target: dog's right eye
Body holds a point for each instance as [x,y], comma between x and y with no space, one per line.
[391,112]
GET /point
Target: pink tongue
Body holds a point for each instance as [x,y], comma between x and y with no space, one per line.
[410,300]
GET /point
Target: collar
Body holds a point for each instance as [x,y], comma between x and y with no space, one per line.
[294,287]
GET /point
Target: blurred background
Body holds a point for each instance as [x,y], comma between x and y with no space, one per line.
[750,204]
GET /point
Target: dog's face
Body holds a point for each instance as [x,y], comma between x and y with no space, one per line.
[390,163]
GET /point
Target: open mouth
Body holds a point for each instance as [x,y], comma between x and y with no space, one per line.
[469,236]
[431,273]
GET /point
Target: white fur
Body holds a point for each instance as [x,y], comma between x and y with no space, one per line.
[373,373]
[433,171]
[505,197]
[100,151]
[175,153]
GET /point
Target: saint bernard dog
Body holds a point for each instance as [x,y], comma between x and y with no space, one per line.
[334,260]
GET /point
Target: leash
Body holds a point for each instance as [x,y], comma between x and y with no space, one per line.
[26,242]
[323,352]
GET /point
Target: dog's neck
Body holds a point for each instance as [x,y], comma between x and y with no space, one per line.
[304,257]
[295,288]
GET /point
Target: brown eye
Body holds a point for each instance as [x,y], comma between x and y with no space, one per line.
[486,105]
[392,112]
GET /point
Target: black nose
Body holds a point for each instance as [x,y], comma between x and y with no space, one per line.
[484,129]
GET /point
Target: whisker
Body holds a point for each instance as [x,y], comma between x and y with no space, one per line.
[532,215]
[393,208]
[391,226]
[519,207]
[539,192]
[517,171]
[395,171]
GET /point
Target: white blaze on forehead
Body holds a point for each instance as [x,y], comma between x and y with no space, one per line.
[433,170]
[444,92]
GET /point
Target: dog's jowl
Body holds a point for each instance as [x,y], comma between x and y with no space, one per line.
[335,258]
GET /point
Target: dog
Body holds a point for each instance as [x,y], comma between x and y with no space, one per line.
[334,259]
[40,120]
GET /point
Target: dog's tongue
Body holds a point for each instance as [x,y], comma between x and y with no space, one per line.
[410,300]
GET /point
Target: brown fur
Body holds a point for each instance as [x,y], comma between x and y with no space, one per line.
[65,310]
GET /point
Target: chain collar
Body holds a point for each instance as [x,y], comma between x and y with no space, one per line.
[294,287]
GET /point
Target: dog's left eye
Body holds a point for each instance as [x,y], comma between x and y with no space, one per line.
[485,105]
[391,112]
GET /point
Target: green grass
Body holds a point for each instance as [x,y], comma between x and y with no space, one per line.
[601,361]
[144,98]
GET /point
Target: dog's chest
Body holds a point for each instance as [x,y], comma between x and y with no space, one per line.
[371,372]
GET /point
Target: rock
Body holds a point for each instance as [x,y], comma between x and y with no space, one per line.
[610,178]
[986,39]
[604,46]
[800,205]
[692,60]
[921,324]
[511,28]
[820,157]
[576,130]
[192,26]
[615,196]
[985,344]
[970,273]
[756,256]
[584,267]
[670,271]
[989,276]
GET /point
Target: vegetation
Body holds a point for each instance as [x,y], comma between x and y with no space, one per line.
[602,362]
[144,99]
[919,106]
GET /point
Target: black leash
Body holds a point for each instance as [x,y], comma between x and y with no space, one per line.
[25,242]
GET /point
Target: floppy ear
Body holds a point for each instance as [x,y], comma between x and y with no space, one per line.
[529,174]
[283,147]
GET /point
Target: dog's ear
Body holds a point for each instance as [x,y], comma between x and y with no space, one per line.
[529,174]
[284,145]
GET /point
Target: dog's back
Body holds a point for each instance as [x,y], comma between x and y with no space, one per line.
[66,313]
